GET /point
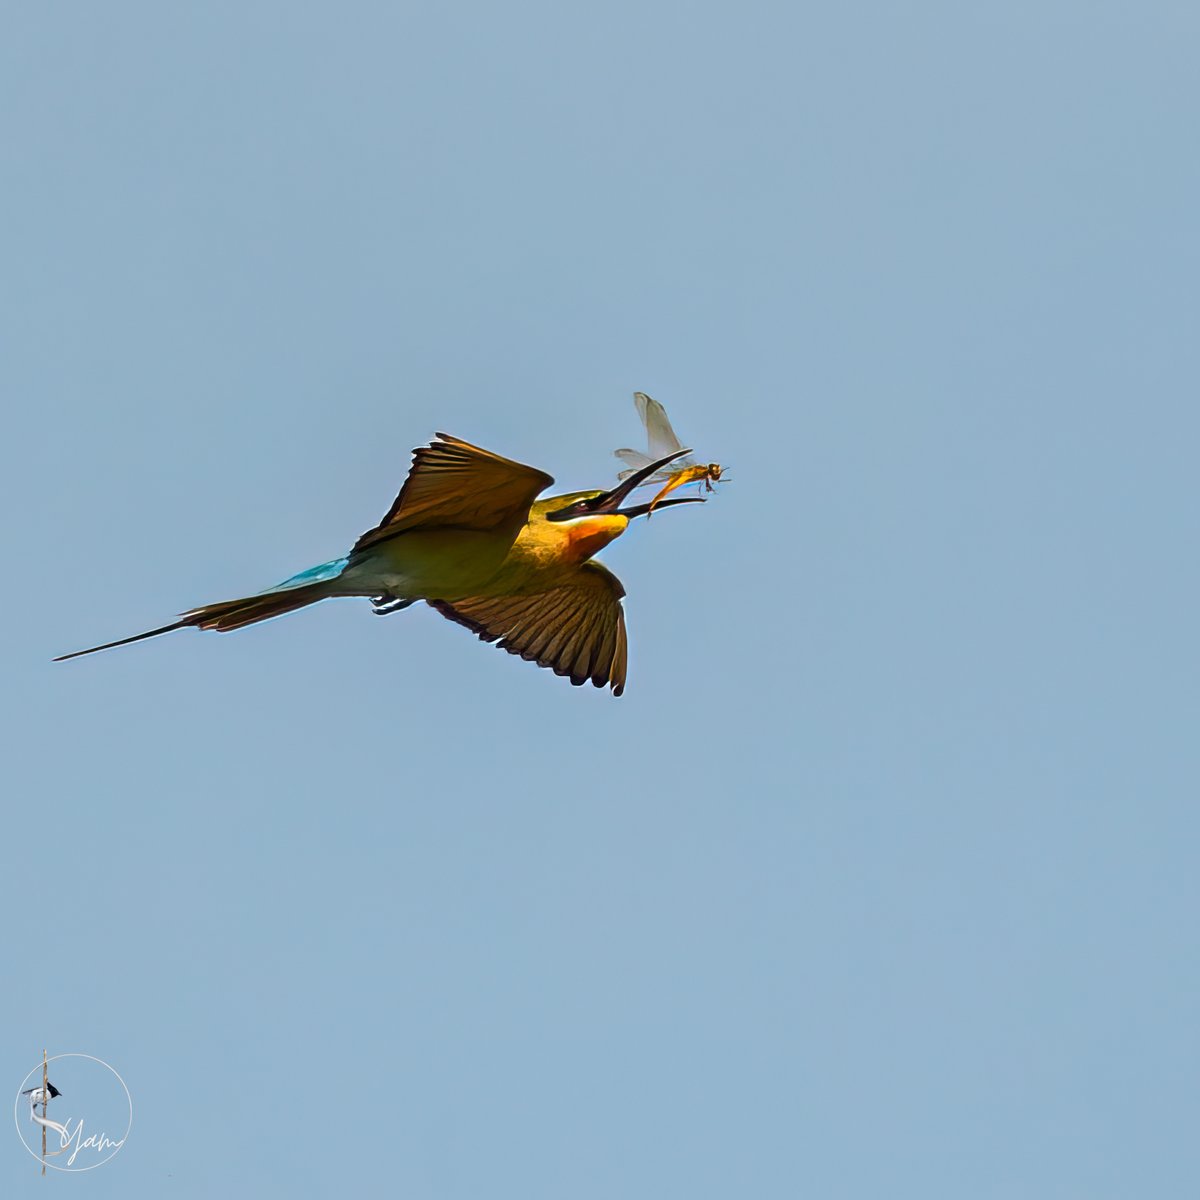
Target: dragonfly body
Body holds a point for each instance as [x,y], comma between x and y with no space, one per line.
[705,473]
[662,441]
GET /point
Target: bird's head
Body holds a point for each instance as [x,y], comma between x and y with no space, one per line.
[590,520]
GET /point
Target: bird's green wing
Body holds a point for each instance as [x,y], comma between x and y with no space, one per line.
[452,483]
[576,629]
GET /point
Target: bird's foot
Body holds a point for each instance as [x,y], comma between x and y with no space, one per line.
[382,605]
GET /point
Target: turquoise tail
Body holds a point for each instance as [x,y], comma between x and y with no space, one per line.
[322,574]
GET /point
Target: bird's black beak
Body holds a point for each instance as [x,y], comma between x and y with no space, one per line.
[610,502]
[640,510]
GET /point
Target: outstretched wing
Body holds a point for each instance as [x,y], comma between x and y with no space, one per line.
[661,436]
[577,629]
[636,460]
[661,439]
[452,483]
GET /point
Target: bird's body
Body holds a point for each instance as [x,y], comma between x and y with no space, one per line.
[437,563]
[39,1095]
[451,564]
[467,536]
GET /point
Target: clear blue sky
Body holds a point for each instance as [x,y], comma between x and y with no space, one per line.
[881,878]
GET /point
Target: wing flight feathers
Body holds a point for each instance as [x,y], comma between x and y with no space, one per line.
[453,483]
[576,630]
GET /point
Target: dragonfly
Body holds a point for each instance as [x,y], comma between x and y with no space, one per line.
[663,441]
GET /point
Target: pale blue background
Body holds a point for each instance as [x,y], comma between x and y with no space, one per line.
[880,881]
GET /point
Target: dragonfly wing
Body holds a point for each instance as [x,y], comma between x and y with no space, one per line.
[658,428]
[662,441]
[657,477]
[635,460]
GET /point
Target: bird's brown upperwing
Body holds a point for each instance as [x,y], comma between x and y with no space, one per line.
[452,483]
[576,629]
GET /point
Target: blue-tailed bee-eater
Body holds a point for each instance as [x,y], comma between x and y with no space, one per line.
[662,443]
[467,536]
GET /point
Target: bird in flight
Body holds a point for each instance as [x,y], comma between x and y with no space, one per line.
[662,441]
[467,535]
